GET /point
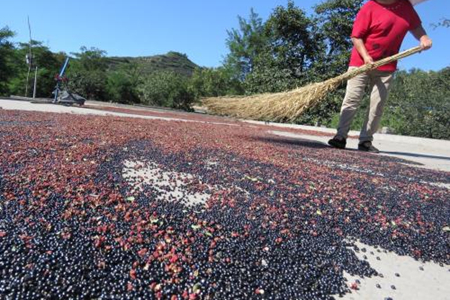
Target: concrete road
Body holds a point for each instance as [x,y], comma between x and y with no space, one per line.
[428,153]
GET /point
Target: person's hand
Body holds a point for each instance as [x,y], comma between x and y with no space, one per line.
[368,60]
[425,42]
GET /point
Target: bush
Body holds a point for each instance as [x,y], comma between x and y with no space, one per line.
[213,82]
[120,88]
[166,89]
[6,53]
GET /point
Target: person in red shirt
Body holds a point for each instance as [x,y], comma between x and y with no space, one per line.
[378,32]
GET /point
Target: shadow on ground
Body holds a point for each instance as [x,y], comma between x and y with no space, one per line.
[416,155]
[320,145]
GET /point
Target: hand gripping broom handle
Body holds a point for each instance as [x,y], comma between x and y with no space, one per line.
[355,72]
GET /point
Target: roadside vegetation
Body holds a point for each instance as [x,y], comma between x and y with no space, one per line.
[288,50]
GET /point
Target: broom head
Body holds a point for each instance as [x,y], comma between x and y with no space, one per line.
[287,106]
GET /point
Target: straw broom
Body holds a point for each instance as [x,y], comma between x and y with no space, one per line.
[287,106]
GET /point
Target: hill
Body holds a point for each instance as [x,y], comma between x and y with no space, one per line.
[172,61]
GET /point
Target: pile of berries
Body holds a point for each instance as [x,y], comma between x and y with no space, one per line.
[280,220]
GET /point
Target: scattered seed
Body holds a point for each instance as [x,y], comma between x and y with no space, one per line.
[68,212]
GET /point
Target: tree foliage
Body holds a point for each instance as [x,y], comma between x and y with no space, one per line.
[166,89]
[88,73]
[6,54]
[213,82]
[244,44]
[122,85]
[419,104]
[288,53]
[335,22]
[298,49]
[47,62]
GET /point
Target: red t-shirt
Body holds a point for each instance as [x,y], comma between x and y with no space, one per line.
[382,28]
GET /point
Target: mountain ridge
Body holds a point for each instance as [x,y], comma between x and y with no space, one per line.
[171,61]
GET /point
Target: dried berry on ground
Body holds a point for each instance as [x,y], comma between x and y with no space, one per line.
[278,222]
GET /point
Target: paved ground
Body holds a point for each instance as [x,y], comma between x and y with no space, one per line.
[402,276]
[429,153]
[426,153]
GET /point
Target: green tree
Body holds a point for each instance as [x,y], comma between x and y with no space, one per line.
[419,104]
[167,89]
[87,73]
[122,84]
[334,19]
[244,45]
[47,62]
[288,54]
[295,49]
[213,82]
[6,54]
[335,23]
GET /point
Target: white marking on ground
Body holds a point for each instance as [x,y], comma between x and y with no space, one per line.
[412,283]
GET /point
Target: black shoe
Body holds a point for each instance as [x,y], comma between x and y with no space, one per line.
[368,147]
[337,142]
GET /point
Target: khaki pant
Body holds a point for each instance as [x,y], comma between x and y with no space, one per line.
[379,83]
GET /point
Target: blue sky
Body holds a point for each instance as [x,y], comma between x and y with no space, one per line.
[197,28]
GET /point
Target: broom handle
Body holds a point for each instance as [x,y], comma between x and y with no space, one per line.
[368,67]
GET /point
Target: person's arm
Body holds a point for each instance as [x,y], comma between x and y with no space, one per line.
[359,45]
[420,34]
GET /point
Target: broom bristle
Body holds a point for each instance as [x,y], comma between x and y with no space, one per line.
[287,106]
[284,106]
